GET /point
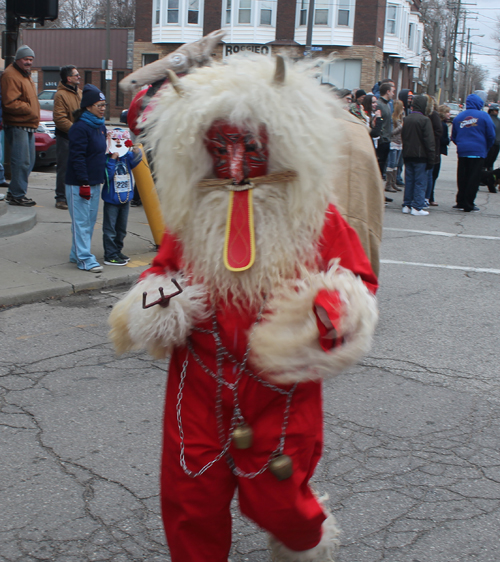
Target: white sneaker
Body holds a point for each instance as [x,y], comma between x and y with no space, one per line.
[406,210]
[421,213]
[96,269]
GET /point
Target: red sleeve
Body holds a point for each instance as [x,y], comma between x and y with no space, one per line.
[339,240]
[168,258]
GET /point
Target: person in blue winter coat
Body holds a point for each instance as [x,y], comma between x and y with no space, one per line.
[474,133]
[117,192]
[84,175]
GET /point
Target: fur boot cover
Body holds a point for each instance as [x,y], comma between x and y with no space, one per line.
[156,329]
[285,346]
[322,552]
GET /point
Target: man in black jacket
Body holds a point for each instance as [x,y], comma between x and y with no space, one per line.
[418,154]
[384,143]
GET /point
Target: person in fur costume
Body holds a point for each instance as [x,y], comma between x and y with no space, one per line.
[273,293]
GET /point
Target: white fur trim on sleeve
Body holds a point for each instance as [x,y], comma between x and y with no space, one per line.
[157,329]
[285,346]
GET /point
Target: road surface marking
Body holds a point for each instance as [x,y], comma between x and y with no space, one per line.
[447,234]
[442,266]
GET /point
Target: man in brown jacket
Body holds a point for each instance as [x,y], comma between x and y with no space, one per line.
[21,117]
[66,100]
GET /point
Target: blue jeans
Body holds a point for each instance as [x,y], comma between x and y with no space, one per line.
[83,217]
[22,159]
[2,171]
[399,178]
[114,229]
[393,158]
[415,185]
[430,184]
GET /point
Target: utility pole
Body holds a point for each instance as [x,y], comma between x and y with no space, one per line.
[443,82]
[431,87]
[454,50]
[107,93]
[460,63]
[467,61]
[310,23]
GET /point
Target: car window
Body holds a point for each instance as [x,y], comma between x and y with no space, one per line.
[46,95]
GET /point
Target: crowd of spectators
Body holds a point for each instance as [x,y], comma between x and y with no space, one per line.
[412,133]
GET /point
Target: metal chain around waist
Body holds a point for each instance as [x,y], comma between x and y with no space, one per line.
[225,442]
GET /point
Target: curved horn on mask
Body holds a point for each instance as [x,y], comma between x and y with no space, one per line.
[279,73]
[176,83]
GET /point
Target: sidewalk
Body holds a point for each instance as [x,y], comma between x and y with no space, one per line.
[35,265]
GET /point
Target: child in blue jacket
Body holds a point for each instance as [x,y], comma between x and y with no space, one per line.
[117,192]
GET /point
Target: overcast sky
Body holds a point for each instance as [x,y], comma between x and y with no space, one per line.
[485,49]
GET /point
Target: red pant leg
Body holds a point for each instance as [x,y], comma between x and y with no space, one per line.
[287,509]
[196,511]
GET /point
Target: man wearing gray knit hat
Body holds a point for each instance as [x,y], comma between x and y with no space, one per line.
[21,117]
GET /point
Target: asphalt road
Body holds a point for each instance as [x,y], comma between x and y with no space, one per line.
[412,434]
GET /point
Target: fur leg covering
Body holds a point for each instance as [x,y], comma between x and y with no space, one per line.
[322,552]
[156,329]
[285,346]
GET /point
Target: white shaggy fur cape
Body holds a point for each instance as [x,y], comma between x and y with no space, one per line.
[289,217]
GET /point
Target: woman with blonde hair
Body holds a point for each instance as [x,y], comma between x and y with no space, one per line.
[395,148]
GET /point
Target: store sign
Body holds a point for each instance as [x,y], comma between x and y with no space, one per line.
[231,49]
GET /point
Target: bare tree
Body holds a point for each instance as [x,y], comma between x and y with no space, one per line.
[77,13]
[122,13]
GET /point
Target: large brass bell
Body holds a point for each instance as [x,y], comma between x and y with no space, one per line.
[242,436]
[281,467]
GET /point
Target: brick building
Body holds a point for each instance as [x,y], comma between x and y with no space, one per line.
[86,49]
[373,39]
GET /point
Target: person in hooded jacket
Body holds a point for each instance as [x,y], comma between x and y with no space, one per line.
[437,128]
[473,133]
[489,163]
[418,155]
[85,174]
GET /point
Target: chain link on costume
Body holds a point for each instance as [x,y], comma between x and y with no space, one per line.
[221,353]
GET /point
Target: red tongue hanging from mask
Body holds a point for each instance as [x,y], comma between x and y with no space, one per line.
[239,245]
[239,156]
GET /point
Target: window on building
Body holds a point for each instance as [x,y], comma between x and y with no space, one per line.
[343,73]
[157,12]
[193,11]
[172,11]
[344,12]
[229,6]
[411,34]
[266,16]
[390,25]
[418,48]
[88,77]
[103,81]
[245,11]
[149,57]
[321,17]
[303,12]
[119,94]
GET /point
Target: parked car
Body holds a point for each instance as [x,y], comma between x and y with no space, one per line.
[45,140]
[455,109]
[46,99]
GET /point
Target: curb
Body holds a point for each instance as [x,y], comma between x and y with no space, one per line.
[16,220]
[68,289]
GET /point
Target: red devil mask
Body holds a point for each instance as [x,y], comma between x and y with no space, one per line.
[237,153]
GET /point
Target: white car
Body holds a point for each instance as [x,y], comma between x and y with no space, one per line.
[455,109]
[46,99]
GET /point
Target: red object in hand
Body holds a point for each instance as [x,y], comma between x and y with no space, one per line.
[328,308]
[85,192]
[129,143]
